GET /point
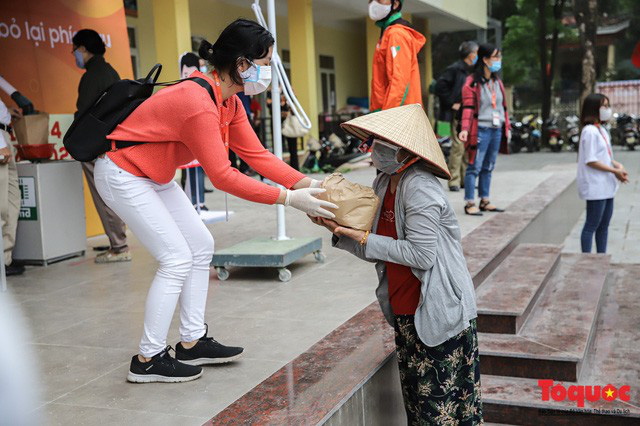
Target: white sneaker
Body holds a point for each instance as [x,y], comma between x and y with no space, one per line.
[111,257]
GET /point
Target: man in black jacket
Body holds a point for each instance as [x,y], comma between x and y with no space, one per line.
[449,90]
[88,50]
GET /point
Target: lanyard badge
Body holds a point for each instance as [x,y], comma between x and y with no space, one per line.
[606,141]
[495,115]
[222,110]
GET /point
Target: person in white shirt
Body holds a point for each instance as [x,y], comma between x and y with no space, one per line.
[9,189]
[598,173]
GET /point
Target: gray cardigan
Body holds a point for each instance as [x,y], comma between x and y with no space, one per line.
[428,242]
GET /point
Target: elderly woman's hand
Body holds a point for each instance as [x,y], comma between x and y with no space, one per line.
[354,234]
[336,229]
[327,223]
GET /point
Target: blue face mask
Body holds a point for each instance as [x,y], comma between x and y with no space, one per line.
[79,59]
[496,66]
[475,60]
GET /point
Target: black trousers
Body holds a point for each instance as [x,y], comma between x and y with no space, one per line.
[234,162]
[293,151]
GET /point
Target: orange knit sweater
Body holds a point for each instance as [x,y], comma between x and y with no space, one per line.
[182,123]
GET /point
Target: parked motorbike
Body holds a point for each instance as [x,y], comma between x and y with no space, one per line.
[340,153]
[627,131]
[519,134]
[536,134]
[525,135]
[332,152]
[556,142]
[572,132]
[312,161]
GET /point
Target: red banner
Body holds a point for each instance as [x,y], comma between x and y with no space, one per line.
[36,48]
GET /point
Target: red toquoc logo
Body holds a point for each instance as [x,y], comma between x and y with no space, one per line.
[579,393]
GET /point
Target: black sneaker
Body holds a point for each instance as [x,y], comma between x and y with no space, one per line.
[14,269]
[162,368]
[207,351]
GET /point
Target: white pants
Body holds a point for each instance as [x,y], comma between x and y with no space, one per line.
[164,220]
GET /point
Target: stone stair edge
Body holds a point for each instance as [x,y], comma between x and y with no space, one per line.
[518,338]
[529,395]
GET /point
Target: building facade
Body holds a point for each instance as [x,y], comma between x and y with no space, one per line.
[327,45]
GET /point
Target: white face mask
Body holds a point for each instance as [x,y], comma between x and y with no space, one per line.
[605,114]
[385,157]
[378,11]
[203,69]
[257,79]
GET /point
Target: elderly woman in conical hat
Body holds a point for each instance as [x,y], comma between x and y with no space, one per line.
[425,290]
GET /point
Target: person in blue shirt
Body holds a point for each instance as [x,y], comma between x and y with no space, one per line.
[190,62]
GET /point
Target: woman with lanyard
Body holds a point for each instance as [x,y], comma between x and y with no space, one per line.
[179,124]
[598,172]
[485,127]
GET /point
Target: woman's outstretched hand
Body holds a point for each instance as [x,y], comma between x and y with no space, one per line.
[304,199]
[336,229]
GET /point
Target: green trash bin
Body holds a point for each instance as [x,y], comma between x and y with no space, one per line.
[443,128]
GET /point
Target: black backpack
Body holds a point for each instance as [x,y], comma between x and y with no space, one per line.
[86,139]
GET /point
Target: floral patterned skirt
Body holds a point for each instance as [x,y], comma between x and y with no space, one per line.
[440,384]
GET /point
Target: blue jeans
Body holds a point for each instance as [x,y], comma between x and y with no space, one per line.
[196,181]
[598,217]
[488,147]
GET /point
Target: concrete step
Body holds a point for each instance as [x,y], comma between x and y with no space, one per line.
[508,295]
[519,401]
[553,342]
[613,359]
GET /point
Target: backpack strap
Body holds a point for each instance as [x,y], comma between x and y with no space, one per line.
[201,81]
[204,83]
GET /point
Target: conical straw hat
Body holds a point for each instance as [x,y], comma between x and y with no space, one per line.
[406,126]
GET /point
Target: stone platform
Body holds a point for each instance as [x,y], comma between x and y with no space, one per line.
[86,319]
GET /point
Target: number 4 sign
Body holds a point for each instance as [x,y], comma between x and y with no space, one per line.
[58,126]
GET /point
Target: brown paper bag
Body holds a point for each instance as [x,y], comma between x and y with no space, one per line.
[357,204]
[32,129]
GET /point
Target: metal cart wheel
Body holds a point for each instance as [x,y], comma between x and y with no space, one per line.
[320,257]
[223,273]
[284,274]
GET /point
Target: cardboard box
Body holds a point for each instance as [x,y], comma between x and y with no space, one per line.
[32,129]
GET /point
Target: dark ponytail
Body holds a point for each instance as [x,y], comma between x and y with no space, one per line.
[485,50]
[242,39]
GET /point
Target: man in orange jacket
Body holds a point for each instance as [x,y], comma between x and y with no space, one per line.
[396,74]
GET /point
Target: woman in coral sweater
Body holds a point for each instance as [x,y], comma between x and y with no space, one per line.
[179,124]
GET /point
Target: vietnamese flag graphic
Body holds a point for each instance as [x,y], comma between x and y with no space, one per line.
[609,393]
